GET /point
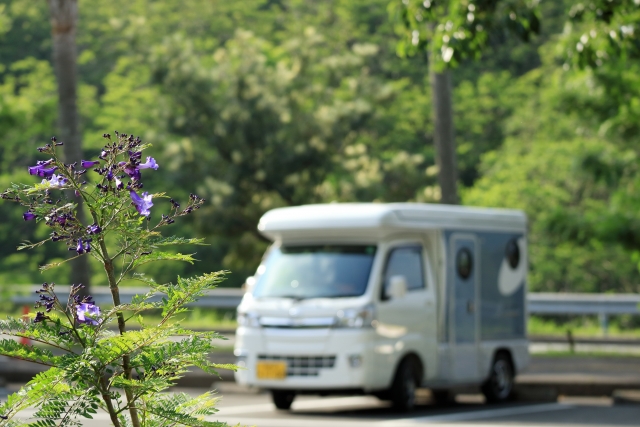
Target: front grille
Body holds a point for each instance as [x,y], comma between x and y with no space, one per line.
[303,366]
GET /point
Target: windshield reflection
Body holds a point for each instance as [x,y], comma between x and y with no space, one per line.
[301,272]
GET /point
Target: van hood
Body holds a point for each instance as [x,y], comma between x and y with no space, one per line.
[305,308]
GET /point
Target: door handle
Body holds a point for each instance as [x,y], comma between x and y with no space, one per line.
[470,307]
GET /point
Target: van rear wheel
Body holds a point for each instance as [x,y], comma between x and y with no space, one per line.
[282,399]
[442,397]
[405,383]
[499,385]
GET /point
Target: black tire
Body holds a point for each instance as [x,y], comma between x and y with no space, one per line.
[403,388]
[282,399]
[384,395]
[499,385]
[442,397]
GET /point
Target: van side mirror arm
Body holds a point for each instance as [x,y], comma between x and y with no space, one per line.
[396,288]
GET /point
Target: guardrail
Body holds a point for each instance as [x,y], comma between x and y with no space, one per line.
[602,305]
[217,298]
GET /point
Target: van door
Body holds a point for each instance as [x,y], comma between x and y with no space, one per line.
[464,268]
[405,324]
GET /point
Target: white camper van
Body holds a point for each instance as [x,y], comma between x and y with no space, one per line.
[384,298]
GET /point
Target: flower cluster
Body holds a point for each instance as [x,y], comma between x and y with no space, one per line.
[85,309]
[88,313]
[193,204]
[41,169]
[48,298]
[118,168]
[81,308]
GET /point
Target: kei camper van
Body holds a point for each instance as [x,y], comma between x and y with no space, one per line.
[384,298]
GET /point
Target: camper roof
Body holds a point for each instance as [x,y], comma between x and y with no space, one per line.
[359,217]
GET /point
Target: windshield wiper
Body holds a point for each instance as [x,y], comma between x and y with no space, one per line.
[293,297]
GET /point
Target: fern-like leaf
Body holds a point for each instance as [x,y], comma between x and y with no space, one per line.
[112,348]
[13,349]
[186,291]
[53,332]
[162,256]
[166,410]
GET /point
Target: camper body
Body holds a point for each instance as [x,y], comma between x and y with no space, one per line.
[383,298]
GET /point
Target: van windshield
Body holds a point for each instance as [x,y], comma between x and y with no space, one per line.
[302,272]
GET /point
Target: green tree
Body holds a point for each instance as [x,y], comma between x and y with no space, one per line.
[450,32]
[263,122]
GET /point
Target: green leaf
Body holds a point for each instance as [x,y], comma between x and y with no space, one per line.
[186,291]
[112,348]
[181,409]
[33,354]
[51,332]
[173,240]
[162,256]
[28,245]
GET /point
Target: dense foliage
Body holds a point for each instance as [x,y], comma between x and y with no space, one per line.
[265,103]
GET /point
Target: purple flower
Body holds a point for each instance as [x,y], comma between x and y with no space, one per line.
[28,216]
[94,229]
[45,173]
[89,163]
[136,155]
[119,184]
[149,164]
[88,313]
[46,301]
[41,170]
[33,170]
[62,219]
[80,248]
[132,171]
[40,317]
[87,246]
[143,203]
[55,181]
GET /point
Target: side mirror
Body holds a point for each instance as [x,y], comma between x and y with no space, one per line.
[248,285]
[397,287]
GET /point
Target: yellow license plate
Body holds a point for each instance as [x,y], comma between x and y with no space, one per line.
[271,370]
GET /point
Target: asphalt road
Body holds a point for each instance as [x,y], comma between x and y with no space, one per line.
[239,407]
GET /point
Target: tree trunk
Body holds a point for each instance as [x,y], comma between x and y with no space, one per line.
[64,19]
[441,94]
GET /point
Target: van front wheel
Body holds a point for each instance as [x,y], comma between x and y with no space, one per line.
[403,389]
[282,399]
[499,385]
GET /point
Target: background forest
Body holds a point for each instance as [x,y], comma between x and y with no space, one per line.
[266,103]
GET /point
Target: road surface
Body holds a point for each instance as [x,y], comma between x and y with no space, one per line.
[246,408]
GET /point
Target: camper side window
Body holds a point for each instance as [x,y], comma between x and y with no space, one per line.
[404,261]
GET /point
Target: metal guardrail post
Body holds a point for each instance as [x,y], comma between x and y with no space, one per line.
[604,323]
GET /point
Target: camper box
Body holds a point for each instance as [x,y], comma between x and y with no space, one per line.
[384,298]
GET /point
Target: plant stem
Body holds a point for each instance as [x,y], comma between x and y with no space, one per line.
[126,362]
[104,390]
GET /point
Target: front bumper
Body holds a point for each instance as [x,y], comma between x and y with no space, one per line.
[317,359]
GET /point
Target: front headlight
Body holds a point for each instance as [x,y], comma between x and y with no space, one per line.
[248,319]
[355,317]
